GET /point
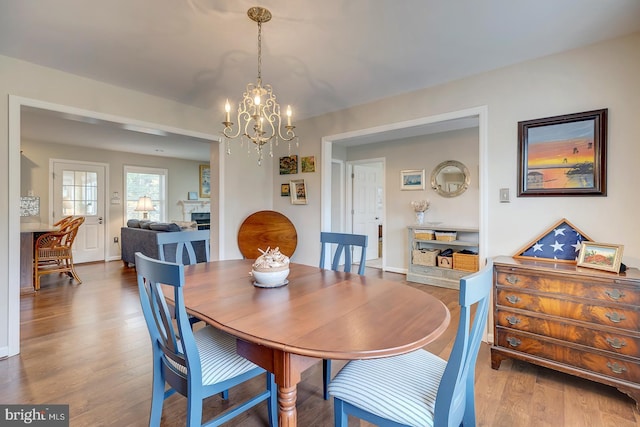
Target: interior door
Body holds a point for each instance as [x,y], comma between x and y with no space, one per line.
[78,189]
[368,203]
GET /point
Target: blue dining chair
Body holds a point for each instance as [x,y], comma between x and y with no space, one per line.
[420,388]
[184,242]
[196,364]
[344,244]
[179,246]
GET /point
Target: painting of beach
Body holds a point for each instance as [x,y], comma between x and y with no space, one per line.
[561,156]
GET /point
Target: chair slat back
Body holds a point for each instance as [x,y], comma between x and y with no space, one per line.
[175,339]
[184,241]
[452,401]
[345,243]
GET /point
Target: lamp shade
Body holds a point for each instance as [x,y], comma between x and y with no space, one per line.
[144,205]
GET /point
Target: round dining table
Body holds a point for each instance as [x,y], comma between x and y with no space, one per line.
[317,314]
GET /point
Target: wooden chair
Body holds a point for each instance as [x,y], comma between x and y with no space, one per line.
[419,388]
[53,252]
[345,243]
[184,250]
[196,364]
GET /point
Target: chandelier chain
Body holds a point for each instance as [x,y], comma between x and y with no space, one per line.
[259,52]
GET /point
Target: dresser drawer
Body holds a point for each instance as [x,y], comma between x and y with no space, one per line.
[618,317]
[615,290]
[614,367]
[601,339]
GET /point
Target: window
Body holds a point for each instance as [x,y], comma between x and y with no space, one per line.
[140,182]
[79,192]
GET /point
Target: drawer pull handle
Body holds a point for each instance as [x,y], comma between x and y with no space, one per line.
[512,279]
[614,294]
[615,317]
[615,368]
[513,320]
[616,343]
[513,342]
[513,299]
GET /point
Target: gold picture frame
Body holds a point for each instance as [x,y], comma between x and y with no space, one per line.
[205,181]
[601,256]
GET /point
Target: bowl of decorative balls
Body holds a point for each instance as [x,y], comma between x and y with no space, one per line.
[271,269]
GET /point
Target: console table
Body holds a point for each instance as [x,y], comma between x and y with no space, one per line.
[575,320]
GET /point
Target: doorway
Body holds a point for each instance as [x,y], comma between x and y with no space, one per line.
[78,189]
[17,105]
[476,117]
[366,207]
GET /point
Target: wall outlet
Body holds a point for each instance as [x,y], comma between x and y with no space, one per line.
[115,239]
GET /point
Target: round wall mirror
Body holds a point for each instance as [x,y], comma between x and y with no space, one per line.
[450,178]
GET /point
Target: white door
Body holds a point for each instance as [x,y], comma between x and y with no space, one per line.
[367,203]
[78,190]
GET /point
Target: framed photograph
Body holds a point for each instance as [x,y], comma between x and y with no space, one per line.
[284,190]
[412,179]
[298,192]
[288,165]
[193,195]
[308,164]
[563,155]
[602,256]
[205,181]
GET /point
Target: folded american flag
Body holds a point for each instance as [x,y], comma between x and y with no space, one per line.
[562,243]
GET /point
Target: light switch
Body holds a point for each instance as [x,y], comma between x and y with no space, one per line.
[504,195]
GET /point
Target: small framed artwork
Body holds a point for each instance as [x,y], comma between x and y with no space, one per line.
[602,256]
[563,155]
[288,165]
[298,191]
[284,190]
[412,179]
[308,164]
[193,195]
[205,181]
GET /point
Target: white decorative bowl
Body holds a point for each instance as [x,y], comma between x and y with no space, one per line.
[270,279]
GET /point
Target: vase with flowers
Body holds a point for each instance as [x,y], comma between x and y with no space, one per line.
[420,207]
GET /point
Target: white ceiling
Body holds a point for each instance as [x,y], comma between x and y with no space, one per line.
[319,56]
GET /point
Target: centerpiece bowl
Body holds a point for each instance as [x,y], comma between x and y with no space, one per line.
[271,269]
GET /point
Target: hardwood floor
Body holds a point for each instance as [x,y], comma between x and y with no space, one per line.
[87,346]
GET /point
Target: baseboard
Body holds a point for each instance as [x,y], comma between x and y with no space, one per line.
[396,270]
[4,353]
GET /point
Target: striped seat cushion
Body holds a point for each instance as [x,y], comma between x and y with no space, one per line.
[400,388]
[218,356]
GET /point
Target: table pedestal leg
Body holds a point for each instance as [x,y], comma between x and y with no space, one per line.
[286,368]
[287,414]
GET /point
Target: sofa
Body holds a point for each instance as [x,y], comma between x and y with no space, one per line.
[141,236]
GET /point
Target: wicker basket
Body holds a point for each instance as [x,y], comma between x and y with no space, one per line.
[465,262]
[446,236]
[424,234]
[425,257]
[445,262]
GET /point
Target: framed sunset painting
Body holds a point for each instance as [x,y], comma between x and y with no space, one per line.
[563,155]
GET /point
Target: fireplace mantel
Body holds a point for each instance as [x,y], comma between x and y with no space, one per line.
[189,206]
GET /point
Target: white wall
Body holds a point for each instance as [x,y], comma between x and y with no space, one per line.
[600,76]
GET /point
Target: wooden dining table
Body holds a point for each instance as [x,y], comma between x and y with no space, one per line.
[319,314]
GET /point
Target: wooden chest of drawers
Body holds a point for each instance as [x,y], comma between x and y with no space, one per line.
[575,320]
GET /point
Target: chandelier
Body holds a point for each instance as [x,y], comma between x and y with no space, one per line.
[258,120]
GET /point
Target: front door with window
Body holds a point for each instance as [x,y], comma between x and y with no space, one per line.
[78,190]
